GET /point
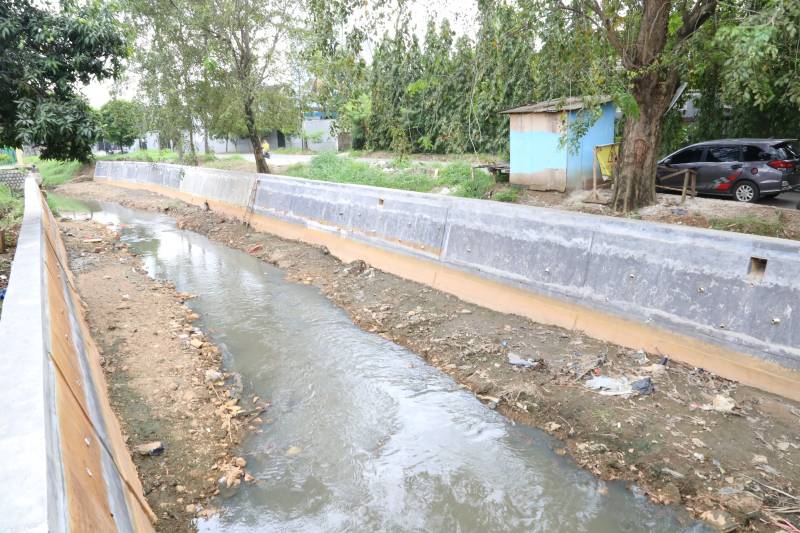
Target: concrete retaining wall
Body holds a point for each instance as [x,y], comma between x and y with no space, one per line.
[62,455]
[726,290]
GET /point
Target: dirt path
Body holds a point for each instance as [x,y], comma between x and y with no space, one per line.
[164,376]
[728,453]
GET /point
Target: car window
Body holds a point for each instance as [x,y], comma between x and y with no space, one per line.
[787,150]
[689,155]
[756,153]
[722,154]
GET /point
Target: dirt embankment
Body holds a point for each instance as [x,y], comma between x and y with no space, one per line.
[181,415]
[728,453]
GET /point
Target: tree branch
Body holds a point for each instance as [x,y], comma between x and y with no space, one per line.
[700,12]
[611,34]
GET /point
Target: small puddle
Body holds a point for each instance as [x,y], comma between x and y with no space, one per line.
[362,434]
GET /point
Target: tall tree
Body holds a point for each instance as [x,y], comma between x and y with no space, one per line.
[248,38]
[44,56]
[645,47]
[171,63]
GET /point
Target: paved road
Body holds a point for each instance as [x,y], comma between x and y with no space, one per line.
[281,160]
[786,200]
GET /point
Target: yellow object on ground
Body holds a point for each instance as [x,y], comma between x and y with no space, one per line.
[607,157]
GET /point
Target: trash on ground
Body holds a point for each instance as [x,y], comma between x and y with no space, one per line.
[643,386]
[608,386]
[721,404]
[150,448]
[515,360]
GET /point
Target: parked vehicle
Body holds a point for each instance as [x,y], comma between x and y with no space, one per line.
[745,169]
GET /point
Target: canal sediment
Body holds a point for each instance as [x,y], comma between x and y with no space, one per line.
[181,414]
[677,442]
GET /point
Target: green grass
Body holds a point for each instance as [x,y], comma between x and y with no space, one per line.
[11,206]
[234,162]
[65,204]
[506,194]
[458,176]
[156,156]
[752,224]
[55,172]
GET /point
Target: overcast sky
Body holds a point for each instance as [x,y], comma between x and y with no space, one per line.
[462,15]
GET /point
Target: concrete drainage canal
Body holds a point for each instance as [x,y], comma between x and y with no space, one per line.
[361,434]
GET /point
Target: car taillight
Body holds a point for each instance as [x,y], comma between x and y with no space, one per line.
[781,165]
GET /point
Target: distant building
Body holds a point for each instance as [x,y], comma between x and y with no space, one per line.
[316,137]
[540,159]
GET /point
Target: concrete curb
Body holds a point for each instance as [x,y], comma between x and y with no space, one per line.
[61,446]
[725,289]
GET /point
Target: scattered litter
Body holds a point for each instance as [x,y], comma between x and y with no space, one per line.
[643,386]
[698,443]
[515,360]
[719,520]
[768,469]
[213,375]
[721,404]
[609,386]
[150,448]
[654,369]
[552,427]
[759,460]
[673,473]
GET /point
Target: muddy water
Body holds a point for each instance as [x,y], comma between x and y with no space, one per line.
[363,435]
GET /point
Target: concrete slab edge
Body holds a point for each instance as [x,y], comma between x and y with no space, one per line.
[696,283]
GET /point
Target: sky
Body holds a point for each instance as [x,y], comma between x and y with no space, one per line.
[462,15]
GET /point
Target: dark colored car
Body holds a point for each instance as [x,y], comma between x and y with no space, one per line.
[745,169]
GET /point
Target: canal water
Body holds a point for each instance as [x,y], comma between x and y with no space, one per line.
[363,435]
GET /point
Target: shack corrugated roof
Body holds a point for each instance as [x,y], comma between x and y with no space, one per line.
[559,104]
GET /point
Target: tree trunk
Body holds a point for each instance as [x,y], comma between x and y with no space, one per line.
[206,148]
[635,183]
[250,119]
[192,153]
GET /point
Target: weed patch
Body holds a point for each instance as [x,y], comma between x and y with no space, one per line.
[506,194]
[752,224]
[53,171]
[11,206]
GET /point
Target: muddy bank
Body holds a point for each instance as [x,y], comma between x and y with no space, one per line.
[713,446]
[179,411]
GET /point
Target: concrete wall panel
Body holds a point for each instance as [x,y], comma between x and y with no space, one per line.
[61,443]
[692,282]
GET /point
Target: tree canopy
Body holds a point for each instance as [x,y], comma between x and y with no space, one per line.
[44,55]
[122,122]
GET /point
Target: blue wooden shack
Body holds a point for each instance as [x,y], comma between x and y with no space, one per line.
[540,159]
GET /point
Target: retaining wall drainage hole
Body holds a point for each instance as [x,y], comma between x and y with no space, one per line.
[757,268]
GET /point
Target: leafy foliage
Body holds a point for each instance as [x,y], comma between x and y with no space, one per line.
[11,206]
[44,55]
[122,121]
